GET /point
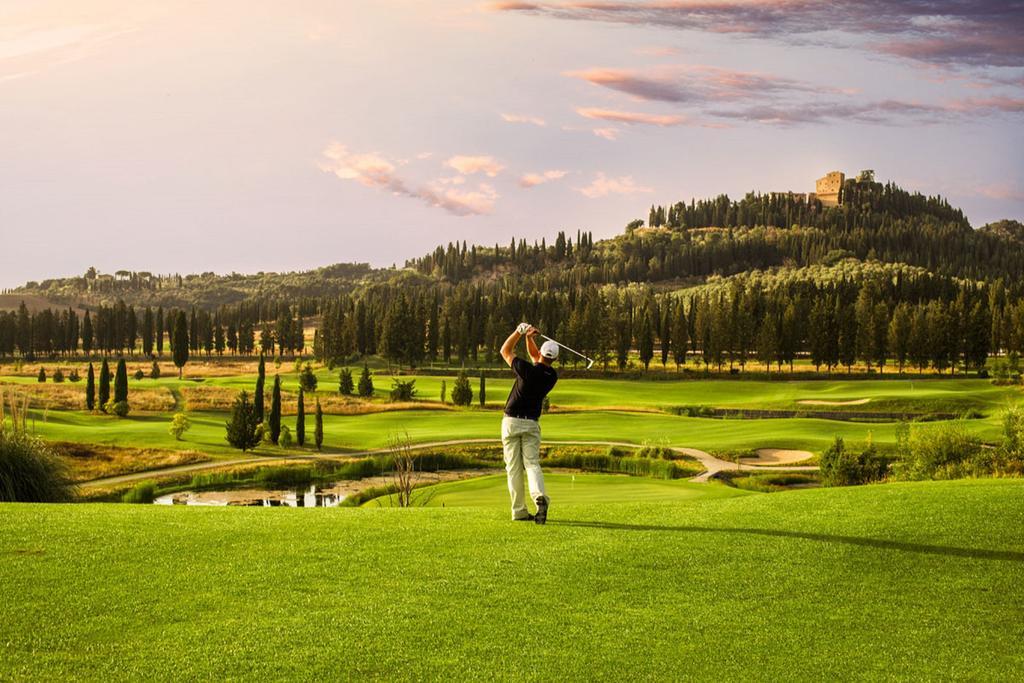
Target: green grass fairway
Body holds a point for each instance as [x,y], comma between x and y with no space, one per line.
[910,581]
[569,490]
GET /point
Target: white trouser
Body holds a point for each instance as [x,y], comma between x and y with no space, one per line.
[521,440]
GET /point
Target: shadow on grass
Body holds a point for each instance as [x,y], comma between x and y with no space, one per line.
[882,544]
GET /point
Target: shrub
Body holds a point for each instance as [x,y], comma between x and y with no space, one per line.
[73,375]
[662,452]
[285,476]
[179,425]
[940,451]
[403,390]
[365,382]
[154,371]
[462,393]
[284,439]
[843,467]
[41,377]
[307,378]
[58,375]
[119,408]
[242,427]
[143,492]
[444,391]
[139,374]
[30,471]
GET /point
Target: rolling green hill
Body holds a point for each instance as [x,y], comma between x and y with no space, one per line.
[906,582]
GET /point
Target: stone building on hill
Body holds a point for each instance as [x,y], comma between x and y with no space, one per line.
[829,190]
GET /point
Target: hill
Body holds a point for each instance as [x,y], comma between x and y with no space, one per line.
[911,581]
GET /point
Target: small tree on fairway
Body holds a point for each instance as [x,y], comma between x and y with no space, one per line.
[41,377]
[285,440]
[275,411]
[140,374]
[300,419]
[483,390]
[365,382]
[179,425]
[58,375]
[154,371]
[345,385]
[307,380]
[257,399]
[241,428]
[180,342]
[104,391]
[90,389]
[444,391]
[119,406]
[318,430]
[462,393]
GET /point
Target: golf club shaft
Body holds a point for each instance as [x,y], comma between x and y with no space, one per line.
[587,358]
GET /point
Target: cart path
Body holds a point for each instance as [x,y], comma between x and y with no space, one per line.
[712,465]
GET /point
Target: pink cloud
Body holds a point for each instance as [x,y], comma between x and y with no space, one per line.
[375,171]
[468,165]
[1001,191]
[630,118]
[534,179]
[607,133]
[523,118]
[603,185]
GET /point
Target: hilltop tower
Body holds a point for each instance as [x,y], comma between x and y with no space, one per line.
[829,189]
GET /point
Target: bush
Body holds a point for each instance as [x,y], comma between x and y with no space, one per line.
[403,390]
[144,492]
[41,377]
[842,467]
[462,393]
[939,451]
[119,408]
[662,452]
[154,371]
[73,375]
[179,425]
[285,440]
[307,378]
[30,471]
[139,374]
[365,382]
[58,375]
[285,476]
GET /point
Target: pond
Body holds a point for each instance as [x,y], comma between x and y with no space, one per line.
[313,497]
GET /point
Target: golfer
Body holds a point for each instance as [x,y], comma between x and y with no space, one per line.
[520,428]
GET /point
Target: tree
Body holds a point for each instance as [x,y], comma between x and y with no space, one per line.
[147,331]
[120,403]
[645,341]
[483,390]
[899,334]
[307,380]
[90,389]
[180,342]
[300,418]
[159,333]
[365,382]
[104,390]
[444,391]
[318,430]
[257,399]
[680,332]
[462,393]
[154,370]
[179,425]
[241,428]
[345,386]
[41,377]
[275,411]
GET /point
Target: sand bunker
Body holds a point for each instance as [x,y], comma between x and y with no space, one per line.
[777,456]
[820,402]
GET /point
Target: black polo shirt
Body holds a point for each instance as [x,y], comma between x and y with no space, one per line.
[533,382]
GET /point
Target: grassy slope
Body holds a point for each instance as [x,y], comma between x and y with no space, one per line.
[908,581]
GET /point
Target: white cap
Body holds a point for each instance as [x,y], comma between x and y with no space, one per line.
[549,350]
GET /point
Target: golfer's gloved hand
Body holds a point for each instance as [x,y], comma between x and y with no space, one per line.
[523,327]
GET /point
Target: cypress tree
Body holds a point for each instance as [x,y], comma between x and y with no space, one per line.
[90,389]
[104,391]
[159,334]
[275,411]
[345,385]
[365,382]
[483,390]
[318,430]
[180,342]
[300,419]
[646,341]
[257,400]
[241,428]
[121,382]
[147,331]
[87,334]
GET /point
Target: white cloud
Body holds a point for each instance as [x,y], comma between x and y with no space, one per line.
[524,118]
[607,133]
[603,185]
[468,165]
[533,179]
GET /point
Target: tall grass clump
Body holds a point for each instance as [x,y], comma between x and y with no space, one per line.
[143,492]
[940,451]
[30,471]
[637,467]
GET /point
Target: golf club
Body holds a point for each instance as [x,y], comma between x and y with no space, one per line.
[590,361]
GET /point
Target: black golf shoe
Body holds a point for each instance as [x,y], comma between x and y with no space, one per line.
[527,518]
[542,510]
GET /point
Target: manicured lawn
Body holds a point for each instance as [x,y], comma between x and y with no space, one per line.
[568,490]
[904,581]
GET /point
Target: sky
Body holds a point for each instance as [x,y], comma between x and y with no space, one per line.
[180,136]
